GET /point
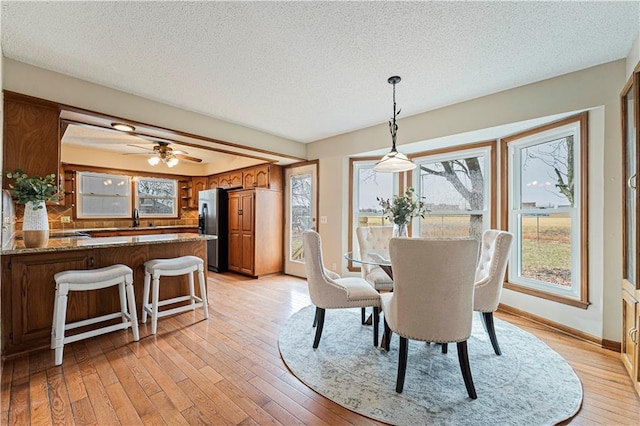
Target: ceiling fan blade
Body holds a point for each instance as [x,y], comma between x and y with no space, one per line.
[189,158]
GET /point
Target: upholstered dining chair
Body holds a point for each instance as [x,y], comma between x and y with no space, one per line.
[374,239]
[328,291]
[432,297]
[492,266]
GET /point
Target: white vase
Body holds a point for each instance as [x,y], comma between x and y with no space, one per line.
[35,225]
[400,230]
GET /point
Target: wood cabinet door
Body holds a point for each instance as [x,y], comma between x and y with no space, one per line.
[246,212]
[262,177]
[31,137]
[629,347]
[31,283]
[247,265]
[197,184]
[235,179]
[248,179]
[212,182]
[223,181]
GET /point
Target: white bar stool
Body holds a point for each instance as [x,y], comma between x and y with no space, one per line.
[154,269]
[92,279]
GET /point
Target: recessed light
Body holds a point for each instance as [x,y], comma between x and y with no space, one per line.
[123,127]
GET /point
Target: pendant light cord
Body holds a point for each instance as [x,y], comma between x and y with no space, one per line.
[393,127]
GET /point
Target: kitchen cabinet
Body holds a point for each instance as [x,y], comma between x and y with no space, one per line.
[213,182]
[198,183]
[230,180]
[630,342]
[27,281]
[31,136]
[255,231]
[185,193]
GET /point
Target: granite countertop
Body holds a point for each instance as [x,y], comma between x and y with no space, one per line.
[57,232]
[81,243]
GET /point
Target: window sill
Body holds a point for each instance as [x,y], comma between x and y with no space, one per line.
[583,304]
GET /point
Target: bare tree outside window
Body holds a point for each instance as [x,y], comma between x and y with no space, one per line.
[157,197]
[301,214]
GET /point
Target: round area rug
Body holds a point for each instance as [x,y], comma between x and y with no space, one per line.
[529,384]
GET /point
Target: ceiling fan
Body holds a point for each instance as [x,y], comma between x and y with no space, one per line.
[163,153]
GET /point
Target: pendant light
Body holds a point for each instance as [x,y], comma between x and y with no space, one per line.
[394,161]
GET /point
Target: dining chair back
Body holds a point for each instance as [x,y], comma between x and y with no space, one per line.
[432,299]
[328,291]
[374,239]
[490,272]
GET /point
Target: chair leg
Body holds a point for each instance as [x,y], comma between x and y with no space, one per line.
[402,363]
[387,336]
[132,310]
[320,315]
[463,358]
[445,348]
[488,321]
[145,295]
[59,320]
[315,318]
[363,314]
[376,323]
[203,292]
[155,289]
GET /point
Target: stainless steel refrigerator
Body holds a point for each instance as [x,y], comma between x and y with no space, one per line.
[213,217]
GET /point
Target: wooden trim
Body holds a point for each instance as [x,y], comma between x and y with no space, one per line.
[83,168]
[454,148]
[607,344]
[302,163]
[583,120]
[30,100]
[548,296]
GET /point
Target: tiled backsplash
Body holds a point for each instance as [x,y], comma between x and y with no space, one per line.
[55,213]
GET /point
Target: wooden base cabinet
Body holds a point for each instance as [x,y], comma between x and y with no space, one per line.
[630,337]
[255,231]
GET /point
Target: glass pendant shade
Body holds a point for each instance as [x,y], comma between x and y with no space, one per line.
[394,162]
[172,161]
[154,161]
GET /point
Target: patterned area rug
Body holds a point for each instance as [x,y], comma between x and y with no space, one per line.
[529,384]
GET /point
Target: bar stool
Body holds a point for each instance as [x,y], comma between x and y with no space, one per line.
[154,269]
[92,279]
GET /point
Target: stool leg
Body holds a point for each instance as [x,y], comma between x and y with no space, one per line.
[61,314]
[192,291]
[123,301]
[155,284]
[203,292]
[145,296]
[132,308]
[53,321]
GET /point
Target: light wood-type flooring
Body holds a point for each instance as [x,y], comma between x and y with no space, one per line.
[228,370]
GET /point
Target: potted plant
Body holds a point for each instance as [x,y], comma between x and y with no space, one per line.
[401,210]
[33,192]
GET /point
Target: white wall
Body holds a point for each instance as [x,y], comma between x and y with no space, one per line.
[596,89]
[27,79]
[633,58]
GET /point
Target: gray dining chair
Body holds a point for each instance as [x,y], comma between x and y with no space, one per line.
[374,239]
[432,299]
[490,272]
[328,291]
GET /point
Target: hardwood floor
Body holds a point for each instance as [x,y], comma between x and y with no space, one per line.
[228,370]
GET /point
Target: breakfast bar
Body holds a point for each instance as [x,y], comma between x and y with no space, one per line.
[28,286]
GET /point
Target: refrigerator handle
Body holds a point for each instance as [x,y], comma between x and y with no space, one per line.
[202,219]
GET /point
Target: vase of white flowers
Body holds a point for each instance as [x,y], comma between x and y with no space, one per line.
[401,210]
[33,192]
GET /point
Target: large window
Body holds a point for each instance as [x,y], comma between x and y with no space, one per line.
[157,197]
[367,186]
[102,195]
[546,210]
[456,186]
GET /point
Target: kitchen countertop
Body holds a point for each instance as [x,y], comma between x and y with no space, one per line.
[58,232]
[82,243]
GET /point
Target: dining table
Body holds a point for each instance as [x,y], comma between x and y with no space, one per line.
[375,258]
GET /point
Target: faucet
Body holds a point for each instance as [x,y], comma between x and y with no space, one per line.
[136,218]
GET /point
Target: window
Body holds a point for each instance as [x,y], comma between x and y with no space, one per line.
[367,185]
[546,210]
[157,197]
[456,186]
[103,196]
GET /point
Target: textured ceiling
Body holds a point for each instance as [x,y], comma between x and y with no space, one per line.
[309,70]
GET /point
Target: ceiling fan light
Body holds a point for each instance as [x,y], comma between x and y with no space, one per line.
[394,162]
[123,127]
[154,161]
[172,162]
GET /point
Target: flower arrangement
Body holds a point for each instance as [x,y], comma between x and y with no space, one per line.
[403,208]
[34,189]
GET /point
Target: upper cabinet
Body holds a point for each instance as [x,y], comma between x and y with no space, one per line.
[264,176]
[198,183]
[31,136]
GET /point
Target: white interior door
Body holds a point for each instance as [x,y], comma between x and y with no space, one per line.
[301,204]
